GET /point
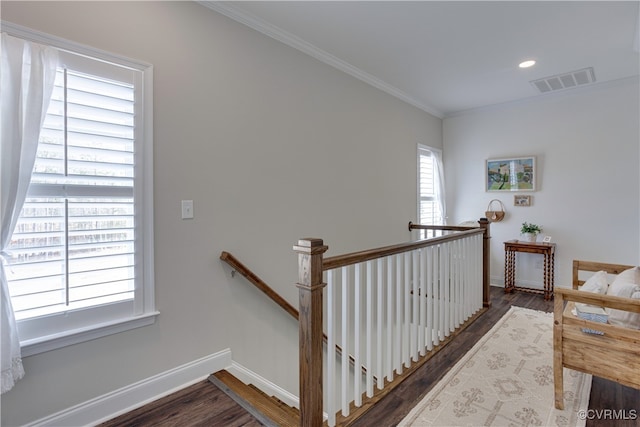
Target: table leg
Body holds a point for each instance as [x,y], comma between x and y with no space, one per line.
[509,273]
[506,271]
[546,277]
[552,275]
[513,271]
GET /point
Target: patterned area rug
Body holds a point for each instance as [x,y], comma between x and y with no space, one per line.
[506,379]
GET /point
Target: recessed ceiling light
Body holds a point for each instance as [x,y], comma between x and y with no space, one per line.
[527,64]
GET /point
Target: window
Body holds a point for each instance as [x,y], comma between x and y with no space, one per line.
[430,187]
[81,255]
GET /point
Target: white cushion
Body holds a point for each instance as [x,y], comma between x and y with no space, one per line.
[631,275]
[622,288]
[623,318]
[596,283]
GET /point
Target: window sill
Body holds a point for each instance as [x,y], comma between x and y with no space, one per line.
[76,336]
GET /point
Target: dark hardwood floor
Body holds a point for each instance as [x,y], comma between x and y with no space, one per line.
[605,395]
[205,405]
[200,405]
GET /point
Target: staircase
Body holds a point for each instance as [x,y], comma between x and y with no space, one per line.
[401,303]
[267,409]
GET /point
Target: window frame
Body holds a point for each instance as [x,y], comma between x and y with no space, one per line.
[40,334]
[425,148]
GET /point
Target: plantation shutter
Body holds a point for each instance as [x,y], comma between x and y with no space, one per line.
[73,246]
[429,199]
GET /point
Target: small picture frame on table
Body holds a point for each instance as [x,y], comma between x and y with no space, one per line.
[546,239]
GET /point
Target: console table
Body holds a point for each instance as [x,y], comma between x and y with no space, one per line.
[546,249]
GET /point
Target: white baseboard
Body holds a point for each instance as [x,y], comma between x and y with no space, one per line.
[499,282]
[534,284]
[271,389]
[110,405]
[133,396]
[496,281]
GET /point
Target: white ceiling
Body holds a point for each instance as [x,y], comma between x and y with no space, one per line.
[451,56]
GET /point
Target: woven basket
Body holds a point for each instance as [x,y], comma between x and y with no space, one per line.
[495,215]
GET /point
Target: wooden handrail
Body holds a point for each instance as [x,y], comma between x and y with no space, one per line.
[413,226]
[258,283]
[367,255]
[273,295]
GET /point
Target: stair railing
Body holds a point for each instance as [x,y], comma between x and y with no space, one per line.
[391,307]
[258,283]
[254,279]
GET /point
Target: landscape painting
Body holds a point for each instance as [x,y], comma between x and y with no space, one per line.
[511,174]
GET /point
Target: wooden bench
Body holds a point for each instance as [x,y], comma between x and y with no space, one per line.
[615,355]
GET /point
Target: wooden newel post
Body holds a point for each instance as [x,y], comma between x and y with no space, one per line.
[310,287]
[486,262]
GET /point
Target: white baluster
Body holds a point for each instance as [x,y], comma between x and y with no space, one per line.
[357,389]
[444,288]
[429,300]
[415,278]
[422,301]
[456,284]
[406,351]
[469,279]
[345,342]
[436,294]
[450,289]
[464,271]
[399,314]
[389,343]
[369,329]
[379,323]
[480,267]
[330,402]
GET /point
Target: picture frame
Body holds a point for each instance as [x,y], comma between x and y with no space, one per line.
[511,174]
[547,239]
[521,200]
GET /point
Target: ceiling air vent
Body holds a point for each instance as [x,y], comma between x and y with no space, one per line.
[565,81]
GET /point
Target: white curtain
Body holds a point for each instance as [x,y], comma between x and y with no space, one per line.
[439,184]
[26,82]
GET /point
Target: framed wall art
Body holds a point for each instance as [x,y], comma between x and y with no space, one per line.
[521,200]
[511,174]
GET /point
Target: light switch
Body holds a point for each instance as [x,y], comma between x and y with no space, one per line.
[187,209]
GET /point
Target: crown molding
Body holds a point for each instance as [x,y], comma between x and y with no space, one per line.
[245,18]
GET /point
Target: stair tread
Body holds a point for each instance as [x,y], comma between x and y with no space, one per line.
[277,411]
[292,410]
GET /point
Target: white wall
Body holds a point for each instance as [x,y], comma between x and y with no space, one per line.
[272,146]
[587,147]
